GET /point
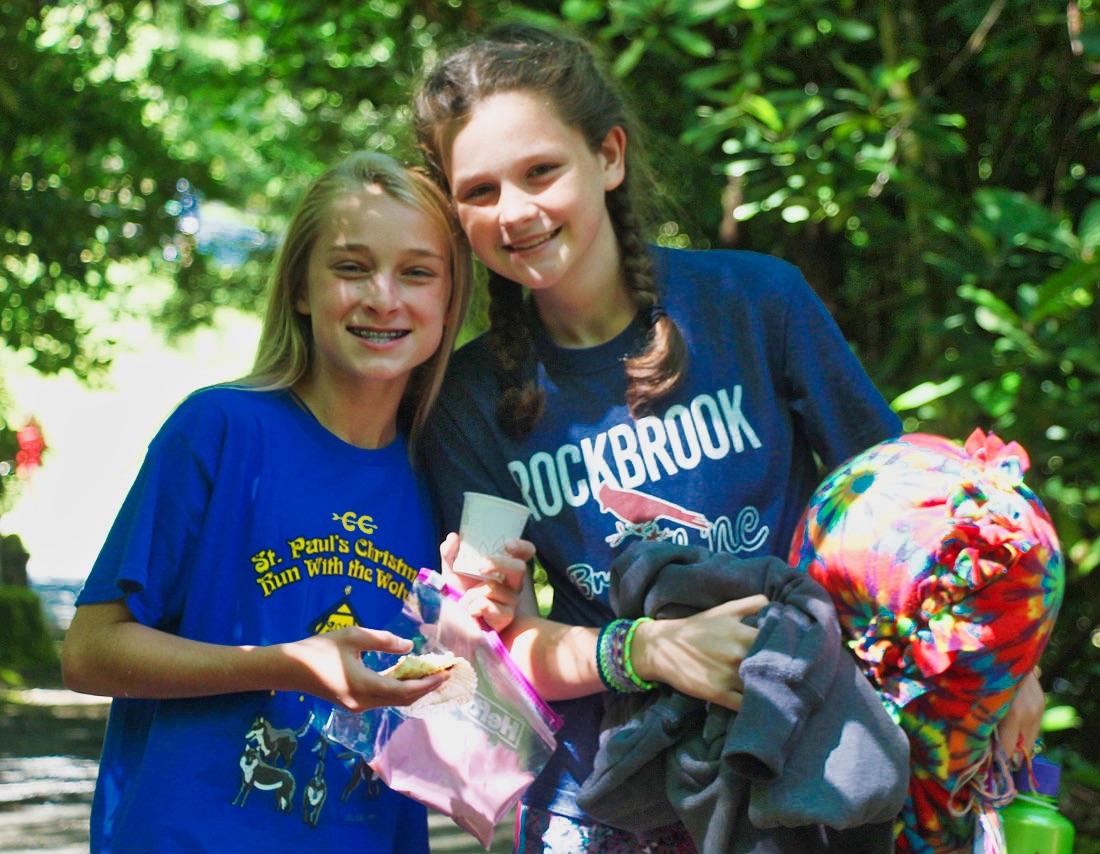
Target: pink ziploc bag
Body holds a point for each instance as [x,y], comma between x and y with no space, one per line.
[472,761]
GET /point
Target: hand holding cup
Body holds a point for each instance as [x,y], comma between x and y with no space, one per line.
[488,523]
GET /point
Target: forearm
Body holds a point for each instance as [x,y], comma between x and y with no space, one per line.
[108,655]
[560,660]
[699,655]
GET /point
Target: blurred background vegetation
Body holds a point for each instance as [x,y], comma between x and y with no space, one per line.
[933,167]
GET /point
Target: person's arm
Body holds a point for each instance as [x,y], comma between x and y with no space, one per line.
[108,653]
[698,655]
[1023,721]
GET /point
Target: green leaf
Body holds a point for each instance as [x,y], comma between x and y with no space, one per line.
[703,9]
[629,58]
[853,72]
[708,76]
[925,393]
[853,30]
[1053,290]
[582,11]
[743,167]
[991,304]
[761,109]
[691,42]
[803,111]
[1089,229]
[1011,215]
[1058,718]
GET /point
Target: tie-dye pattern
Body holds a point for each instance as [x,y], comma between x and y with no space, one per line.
[947,576]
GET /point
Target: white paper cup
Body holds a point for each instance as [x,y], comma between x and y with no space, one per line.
[488,522]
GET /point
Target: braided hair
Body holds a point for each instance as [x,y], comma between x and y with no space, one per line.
[523,58]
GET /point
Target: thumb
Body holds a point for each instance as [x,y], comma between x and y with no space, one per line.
[448,550]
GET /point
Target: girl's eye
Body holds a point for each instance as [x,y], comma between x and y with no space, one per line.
[476,194]
[542,170]
[421,273]
[351,268]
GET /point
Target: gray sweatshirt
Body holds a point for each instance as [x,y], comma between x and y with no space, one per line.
[811,763]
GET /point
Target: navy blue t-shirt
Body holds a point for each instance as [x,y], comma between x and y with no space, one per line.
[727,461]
[250,523]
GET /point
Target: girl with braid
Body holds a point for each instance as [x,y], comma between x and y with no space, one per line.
[624,393]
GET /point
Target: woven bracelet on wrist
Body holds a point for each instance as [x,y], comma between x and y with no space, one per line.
[613,658]
[639,682]
[609,656]
[602,655]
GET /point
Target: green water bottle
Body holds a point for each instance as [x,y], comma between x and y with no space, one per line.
[1032,823]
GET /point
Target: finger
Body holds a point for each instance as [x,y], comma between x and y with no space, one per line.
[523,550]
[377,690]
[749,605]
[507,582]
[739,608]
[480,601]
[730,700]
[509,567]
[1022,722]
[1035,700]
[504,595]
[448,550]
[1009,736]
[496,617]
[411,690]
[379,640]
[475,566]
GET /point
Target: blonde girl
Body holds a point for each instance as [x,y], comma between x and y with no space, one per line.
[274,522]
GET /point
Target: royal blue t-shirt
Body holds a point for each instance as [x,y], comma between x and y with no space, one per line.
[250,523]
[727,461]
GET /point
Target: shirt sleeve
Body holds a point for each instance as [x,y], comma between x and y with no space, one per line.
[150,547]
[841,411]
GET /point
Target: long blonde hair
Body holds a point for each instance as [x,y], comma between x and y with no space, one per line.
[285,351]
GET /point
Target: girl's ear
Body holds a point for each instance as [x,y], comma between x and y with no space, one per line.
[301,302]
[612,156]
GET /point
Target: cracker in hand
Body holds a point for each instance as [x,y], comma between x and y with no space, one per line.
[452,694]
[419,666]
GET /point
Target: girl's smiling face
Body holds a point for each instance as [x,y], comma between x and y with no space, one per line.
[377,291]
[530,193]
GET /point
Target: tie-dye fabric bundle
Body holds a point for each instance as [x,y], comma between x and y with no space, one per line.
[947,576]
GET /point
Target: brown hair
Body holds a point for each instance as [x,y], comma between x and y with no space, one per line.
[522,58]
[285,351]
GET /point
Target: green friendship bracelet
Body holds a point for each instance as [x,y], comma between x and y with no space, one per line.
[634,677]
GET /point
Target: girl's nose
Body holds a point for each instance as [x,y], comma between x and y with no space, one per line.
[379,294]
[514,206]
